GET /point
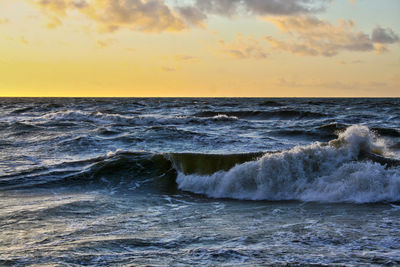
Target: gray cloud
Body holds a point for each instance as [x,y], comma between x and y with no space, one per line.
[384,36]
[261,7]
[196,13]
[288,7]
[160,16]
[111,15]
[192,15]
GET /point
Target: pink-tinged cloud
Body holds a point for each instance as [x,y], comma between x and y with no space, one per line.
[112,15]
[311,36]
[158,16]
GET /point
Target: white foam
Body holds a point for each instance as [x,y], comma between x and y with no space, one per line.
[111,154]
[224,117]
[318,172]
[73,115]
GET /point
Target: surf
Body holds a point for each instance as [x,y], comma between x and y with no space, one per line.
[351,168]
[356,167]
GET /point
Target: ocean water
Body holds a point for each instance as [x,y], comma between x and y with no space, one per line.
[198,181]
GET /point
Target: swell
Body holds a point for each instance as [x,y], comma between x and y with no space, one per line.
[203,164]
[113,169]
[123,167]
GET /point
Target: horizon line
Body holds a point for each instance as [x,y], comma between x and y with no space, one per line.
[199,96]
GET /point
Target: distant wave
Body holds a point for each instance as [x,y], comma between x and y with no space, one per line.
[263,115]
[22,110]
[271,103]
[69,117]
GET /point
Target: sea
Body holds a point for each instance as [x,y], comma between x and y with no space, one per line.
[199,181]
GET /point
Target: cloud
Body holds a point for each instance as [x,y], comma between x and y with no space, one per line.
[186,58]
[60,7]
[193,16]
[380,49]
[342,62]
[197,12]
[54,22]
[311,36]
[112,15]
[308,35]
[384,36]
[159,16]
[168,69]
[243,48]
[294,48]
[105,43]
[260,7]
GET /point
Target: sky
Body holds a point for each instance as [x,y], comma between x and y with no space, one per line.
[200,48]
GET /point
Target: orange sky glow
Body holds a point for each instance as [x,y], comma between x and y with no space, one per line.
[200,48]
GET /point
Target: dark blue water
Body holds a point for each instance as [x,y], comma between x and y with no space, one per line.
[185,181]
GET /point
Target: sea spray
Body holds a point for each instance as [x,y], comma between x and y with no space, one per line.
[317,172]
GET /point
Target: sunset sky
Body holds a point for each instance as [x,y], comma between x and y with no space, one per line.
[265,48]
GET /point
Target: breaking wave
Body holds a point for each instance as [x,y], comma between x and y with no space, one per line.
[352,168]
[341,171]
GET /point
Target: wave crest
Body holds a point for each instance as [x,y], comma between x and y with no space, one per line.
[352,168]
[318,172]
[285,114]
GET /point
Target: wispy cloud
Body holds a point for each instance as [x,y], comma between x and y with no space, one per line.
[187,58]
[54,22]
[168,69]
[311,36]
[243,48]
[357,61]
[105,43]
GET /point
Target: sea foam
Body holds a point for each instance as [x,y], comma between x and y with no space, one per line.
[317,172]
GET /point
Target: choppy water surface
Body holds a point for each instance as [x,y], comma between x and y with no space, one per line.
[199,181]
